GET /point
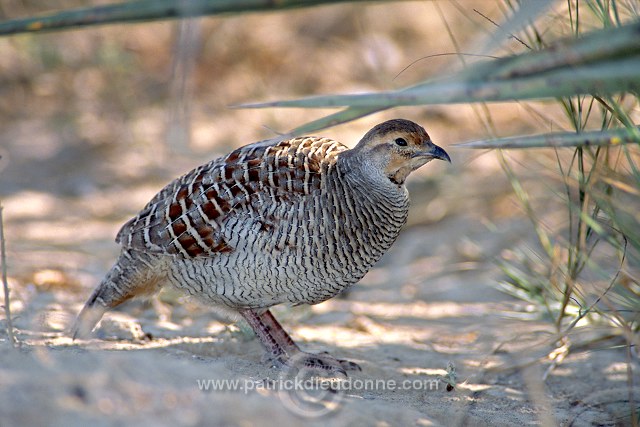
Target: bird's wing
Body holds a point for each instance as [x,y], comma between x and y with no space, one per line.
[187,217]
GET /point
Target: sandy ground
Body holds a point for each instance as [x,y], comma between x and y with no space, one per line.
[94,123]
[421,309]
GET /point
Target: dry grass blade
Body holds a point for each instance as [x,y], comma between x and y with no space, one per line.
[7,303]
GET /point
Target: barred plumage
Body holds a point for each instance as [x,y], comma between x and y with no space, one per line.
[290,222]
[186,217]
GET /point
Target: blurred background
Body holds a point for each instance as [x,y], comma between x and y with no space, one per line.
[93,122]
[96,121]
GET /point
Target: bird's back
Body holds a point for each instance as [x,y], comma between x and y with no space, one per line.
[189,216]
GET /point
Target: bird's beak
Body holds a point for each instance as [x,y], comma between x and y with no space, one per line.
[434,152]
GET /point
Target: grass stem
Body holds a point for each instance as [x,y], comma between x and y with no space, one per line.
[7,303]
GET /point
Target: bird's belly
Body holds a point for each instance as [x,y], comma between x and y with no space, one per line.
[299,258]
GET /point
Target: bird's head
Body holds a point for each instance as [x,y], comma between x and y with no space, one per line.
[397,148]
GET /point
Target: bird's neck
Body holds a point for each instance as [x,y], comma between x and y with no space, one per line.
[369,179]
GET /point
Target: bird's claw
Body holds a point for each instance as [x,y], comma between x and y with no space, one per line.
[323,362]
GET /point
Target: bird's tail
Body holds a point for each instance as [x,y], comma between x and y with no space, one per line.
[128,278]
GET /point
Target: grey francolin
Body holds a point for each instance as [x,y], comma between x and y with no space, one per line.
[294,222]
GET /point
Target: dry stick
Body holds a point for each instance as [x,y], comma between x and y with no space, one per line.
[7,304]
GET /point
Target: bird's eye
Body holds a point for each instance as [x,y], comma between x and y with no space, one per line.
[401,142]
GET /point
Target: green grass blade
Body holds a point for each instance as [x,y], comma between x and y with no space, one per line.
[335,119]
[611,77]
[561,139]
[147,10]
[601,62]
[528,12]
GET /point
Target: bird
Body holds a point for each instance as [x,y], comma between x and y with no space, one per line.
[291,221]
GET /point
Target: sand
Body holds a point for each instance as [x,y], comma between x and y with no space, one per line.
[405,324]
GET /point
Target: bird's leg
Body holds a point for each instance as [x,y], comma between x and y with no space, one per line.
[284,350]
[270,333]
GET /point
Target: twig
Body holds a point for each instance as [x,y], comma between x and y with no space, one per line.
[442,54]
[634,416]
[7,304]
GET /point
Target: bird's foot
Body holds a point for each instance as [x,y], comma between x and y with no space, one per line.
[283,352]
[321,363]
